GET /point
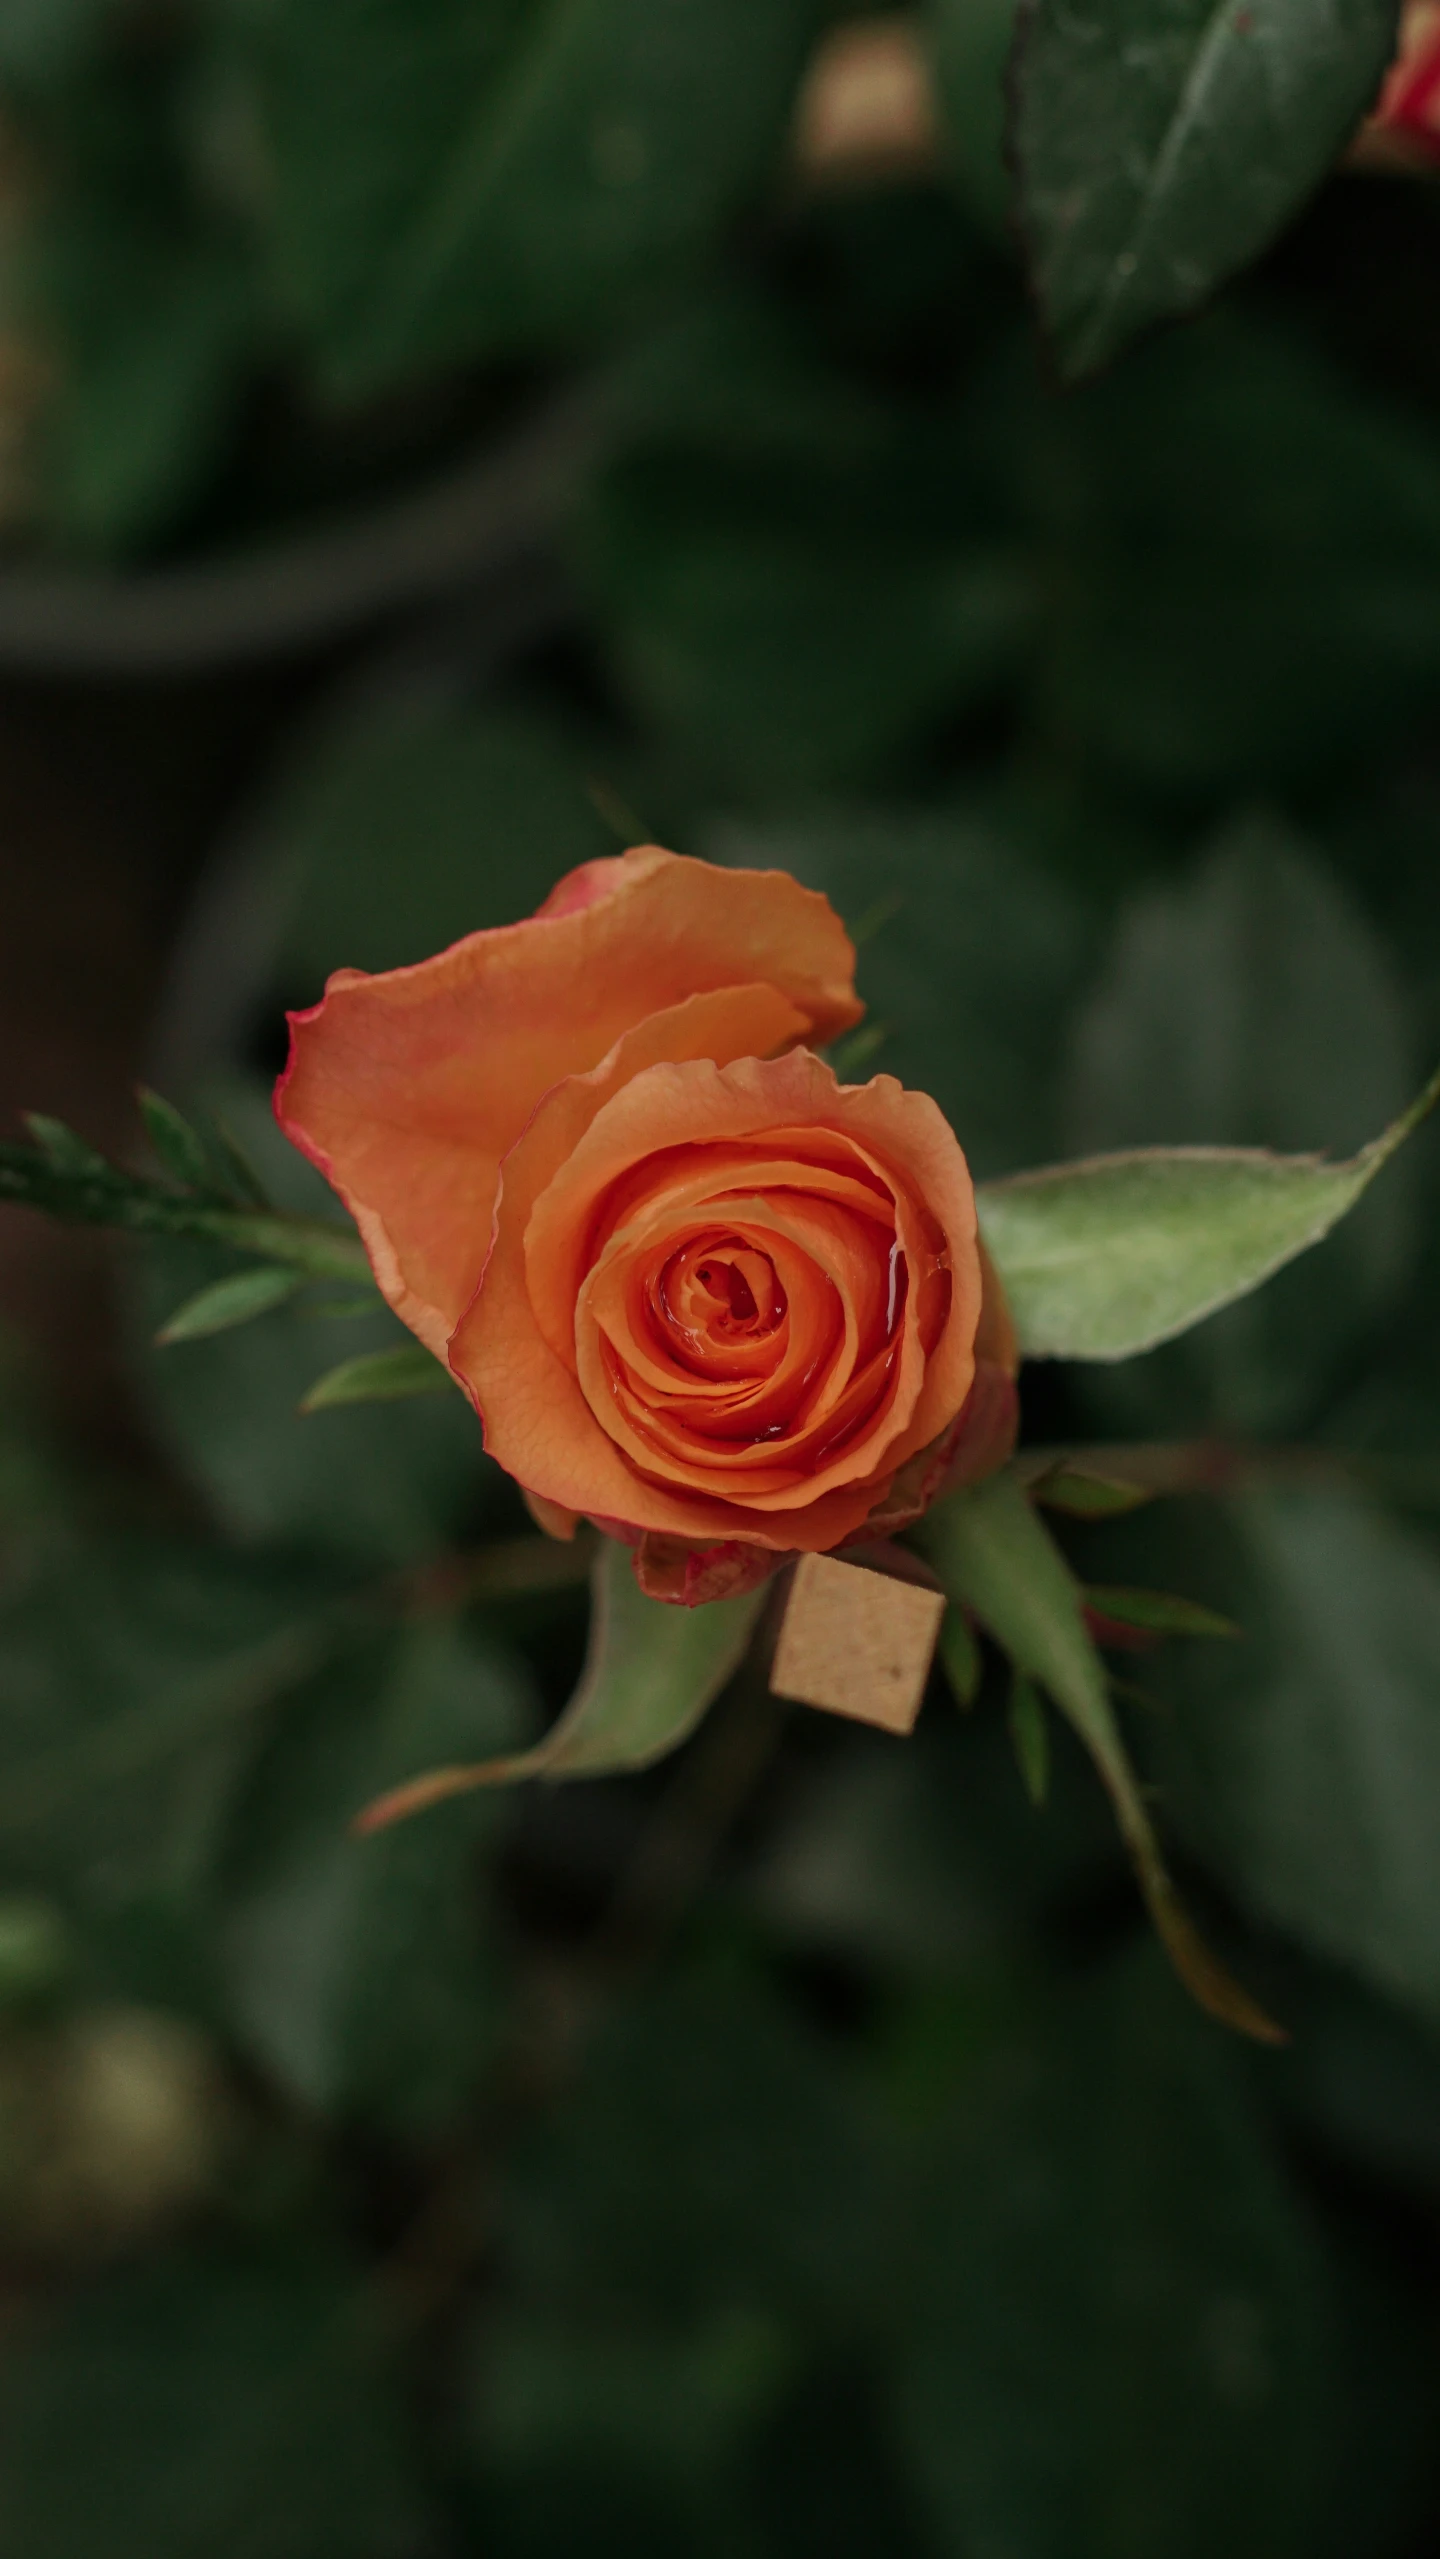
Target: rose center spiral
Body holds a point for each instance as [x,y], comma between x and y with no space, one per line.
[719,1292]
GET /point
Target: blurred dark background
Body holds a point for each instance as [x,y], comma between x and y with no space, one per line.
[440,441]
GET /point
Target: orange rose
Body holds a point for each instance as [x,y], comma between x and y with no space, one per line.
[698,1290]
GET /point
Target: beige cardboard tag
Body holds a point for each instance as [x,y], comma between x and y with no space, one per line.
[856,1642]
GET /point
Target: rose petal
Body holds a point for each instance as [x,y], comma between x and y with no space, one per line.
[407,1089]
[593,1132]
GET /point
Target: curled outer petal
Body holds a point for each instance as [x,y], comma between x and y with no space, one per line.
[407,1089]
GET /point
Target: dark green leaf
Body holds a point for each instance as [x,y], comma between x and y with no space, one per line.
[1311,1759]
[650,1673]
[975,953]
[994,1555]
[205,2409]
[797,578]
[140,291]
[1124,2341]
[137,1680]
[1241,548]
[553,188]
[378,1377]
[385,1482]
[1162,143]
[236,1300]
[1252,1004]
[711,2154]
[358,1973]
[972,41]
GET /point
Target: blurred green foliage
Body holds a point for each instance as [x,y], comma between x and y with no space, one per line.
[799,2148]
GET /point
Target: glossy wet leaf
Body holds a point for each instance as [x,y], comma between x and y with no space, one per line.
[650,1673]
[1162,143]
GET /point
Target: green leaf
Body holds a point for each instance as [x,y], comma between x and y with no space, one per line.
[1241,563]
[960,1657]
[1123,2340]
[144,293]
[797,579]
[360,1974]
[1105,1258]
[650,1673]
[180,1147]
[554,190]
[236,1300]
[1156,1612]
[709,2153]
[1308,1765]
[1161,144]
[1252,1002]
[64,1178]
[972,42]
[378,1377]
[236,2410]
[995,1556]
[138,1678]
[1030,1736]
[384,1483]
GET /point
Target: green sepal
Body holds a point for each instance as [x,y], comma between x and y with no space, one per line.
[1083,1492]
[1156,1612]
[1030,1736]
[994,1555]
[960,1657]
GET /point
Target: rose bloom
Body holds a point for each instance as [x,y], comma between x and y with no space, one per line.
[699,1291]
